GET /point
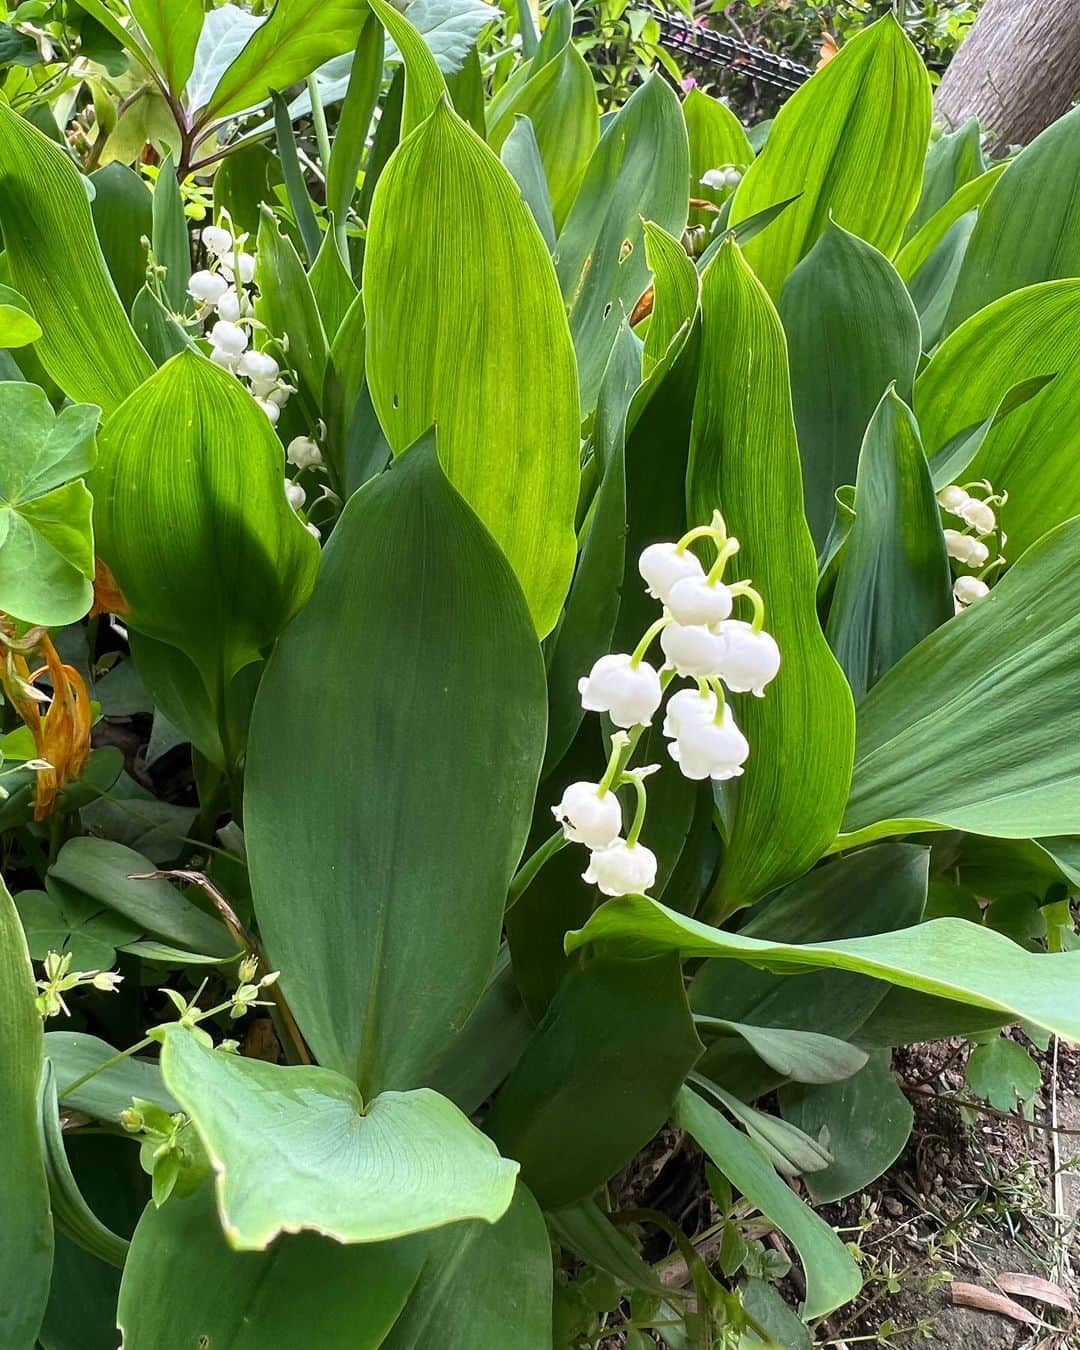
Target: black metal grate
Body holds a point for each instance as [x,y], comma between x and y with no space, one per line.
[711,48]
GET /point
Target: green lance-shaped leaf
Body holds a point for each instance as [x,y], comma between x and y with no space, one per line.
[18,327]
[287,305]
[851,331]
[185,1286]
[744,460]
[46,535]
[26,1257]
[169,233]
[191,517]
[556,92]
[521,155]
[978,727]
[832,1277]
[1029,229]
[921,245]
[172,29]
[418,671]
[863,117]
[952,161]
[424,82]
[717,140]
[298,36]
[894,585]
[676,291]
[123,212]
[639,171]
[450,239]
[1030,453]
[298,1148]
[347,152]
[87,345]
[995,972]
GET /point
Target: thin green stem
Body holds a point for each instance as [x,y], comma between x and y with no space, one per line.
[723,557]
[646,640]
[525,874]
[639,809]
[621,748]
[744,588]
[318,116]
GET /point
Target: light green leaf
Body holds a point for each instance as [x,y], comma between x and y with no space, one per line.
[298,1148]
[170,233]
[424,83]
[803,1056]
[926,731]
[332,286]
[638,172]
[287,306]
[24,1194]
[521,155]
[298,36]
[676,291]
[863,117]
[1002,1073]
[717,139]
[185,1286]
[192,519]
[1029,229]
[788,1149]
[744,461]
[225,31]
[418,670]
[88,346]
[851,331]
[73,1053]
[995,973]
[172,29]
[46,535]
[894,585]
[1029,334]
[18,327]
[350,138]
[449,240]
[952,161]
[918,249]
[832,1277]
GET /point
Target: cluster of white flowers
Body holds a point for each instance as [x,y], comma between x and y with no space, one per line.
[223,289]
[728,176]
[700,640]
[968,546]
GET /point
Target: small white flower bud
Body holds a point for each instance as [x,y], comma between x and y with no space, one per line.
[588,816]
[977,552]
[953,499]
[749,660]
[703,747]
[313,530]
[692,649]
[303,453]
[732,177]
[272,410]
[258,366]
[978,515]
[218,241]
[246,266]
[280,394]
[662,566]
[622,869]
[207,287]
[226,360]
[956,545]
[695,600]
[295,494]
[228,337]
[967,590]
[261,388]
[228,306]
[716,179]
[629,694]
[108,981]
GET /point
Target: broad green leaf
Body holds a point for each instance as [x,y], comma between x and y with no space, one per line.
[298,1148]
[832,1277]
[851,331]
[919,247]
[744,461]
[172,28]
[298,36]
[676,291]
[995,972]
[481,1282]
[73,1053]
[864,1122]
[952,161]
[926,731]
[191,518]
[24,1193]
[1002,1073]
[418,670]
[1031,333]
[103,870]
[424,83]
[449,240]
[717,139]
[88,346]
[932,286]
[521,155]
[347,151]
[598,1079]
[64,921]
[246,178]
[1029,229]
[46,536]
[185,1286]
[170,233]
[802,1056]
[638,172]
[225,32]
[555,92]
[894,586]
[18,327]
[864,117]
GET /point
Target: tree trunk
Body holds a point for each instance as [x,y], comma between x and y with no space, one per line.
[1017,70]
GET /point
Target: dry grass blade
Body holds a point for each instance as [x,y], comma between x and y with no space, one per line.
[986,1300]
[1032,1286]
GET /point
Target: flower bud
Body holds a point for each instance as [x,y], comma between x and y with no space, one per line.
[716,179]
[131,1119]
[707,748]
[978,515]
[217,240]
[694,600]
[108,981]
[258,366]
[749,660]
[966,590]
[246,266]
[295,494]
[313,530]
[692,649]
[247,969]
[977,552]
[226,360]
[588,816]
[228,337]
[280,394]
[207,287]
[953,499]
[303,453]
[629,694]
[661,565]
[621,869]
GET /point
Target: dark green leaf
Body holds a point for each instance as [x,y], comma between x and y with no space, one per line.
[295,184]
[1002,1073]
[73,1053]
[593,1238]
[123,211]
[170,233]
[286,305]
[365,81]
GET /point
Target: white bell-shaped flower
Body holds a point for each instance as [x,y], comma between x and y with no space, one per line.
[692,649]
[629,694]
[589,816]
[979,516]
[246,264]
[303,453]
[966,548]
[226,360]
[295,494]
[953,499]
[207,287]
[706,748]
[749,660]
[228,337]
[686,708]
[977,552]
[714,179]
[698,600]
[272,410]
[622,869]
[228,305]
[218,241]
[967,590]
[258,366]
[280,394]
[662,565]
